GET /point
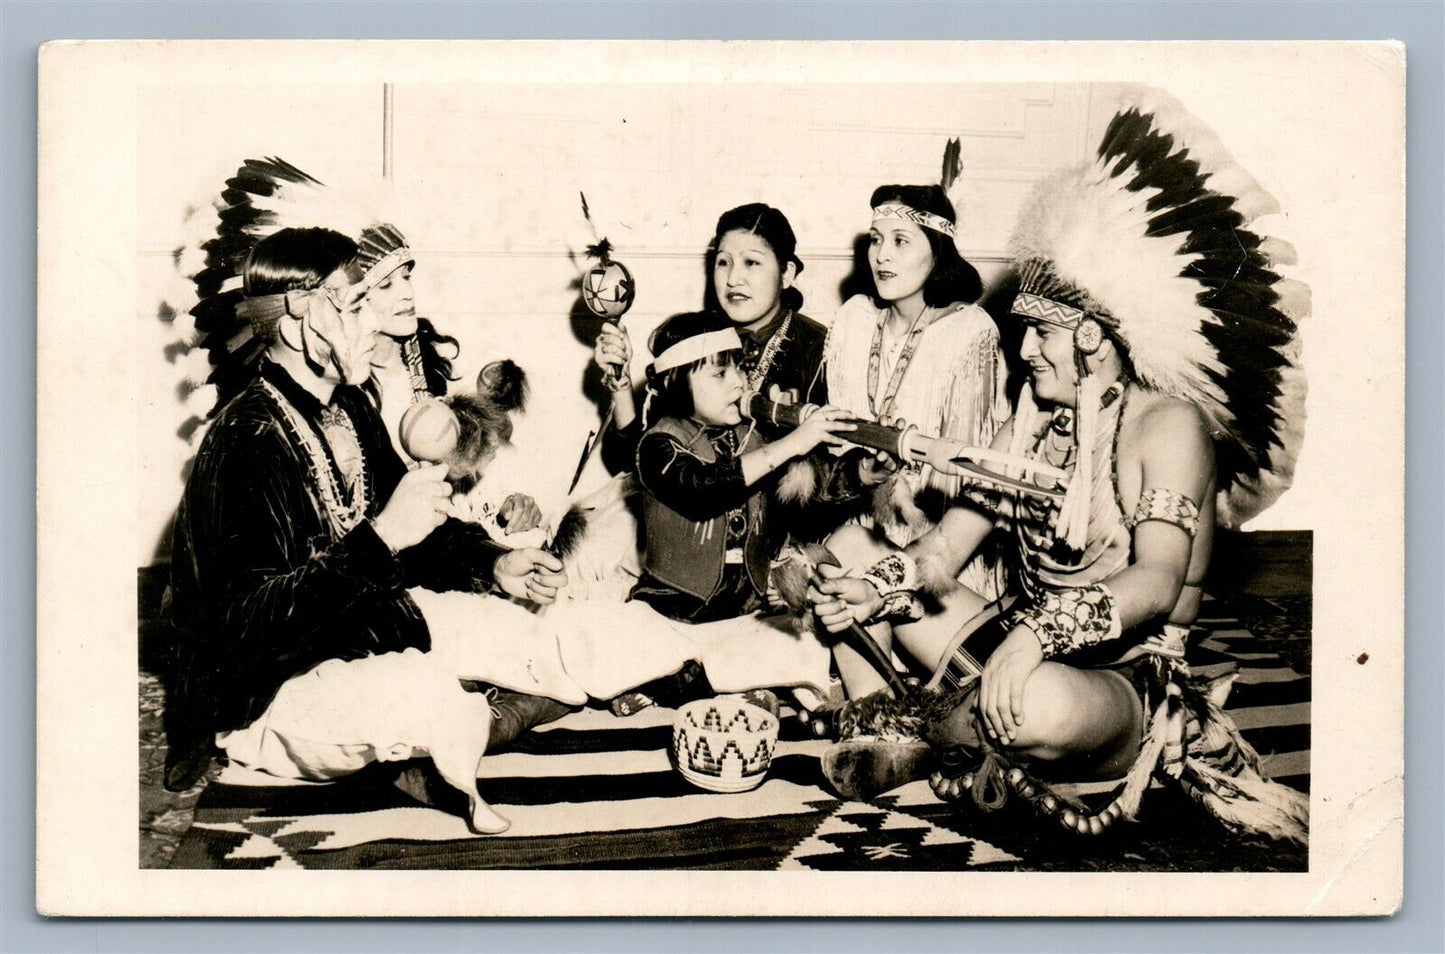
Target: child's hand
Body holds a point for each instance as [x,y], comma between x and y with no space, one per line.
[613,352]
[519,513]
[822,427]
[876,468]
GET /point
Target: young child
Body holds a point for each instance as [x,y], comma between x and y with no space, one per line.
[710,539]
[703,471]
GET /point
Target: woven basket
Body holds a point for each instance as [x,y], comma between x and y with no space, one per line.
[724,744]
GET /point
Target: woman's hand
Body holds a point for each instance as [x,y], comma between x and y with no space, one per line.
[822,427]
[840,601]
[1001,689]
[612,352]
[519,513]
[530,574]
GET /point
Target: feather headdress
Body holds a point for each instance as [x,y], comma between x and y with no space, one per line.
[261,198]
[1153,241]
[285,197]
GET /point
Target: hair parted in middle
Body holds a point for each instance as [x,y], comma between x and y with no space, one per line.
[952,278]
[669,394]
[295,260]
[768,224]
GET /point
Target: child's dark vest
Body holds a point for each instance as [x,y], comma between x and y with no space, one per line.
[689,555]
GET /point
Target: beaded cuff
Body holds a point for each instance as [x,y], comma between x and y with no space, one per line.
[895,577]
[985,498]
[1167,506]
[1071,618]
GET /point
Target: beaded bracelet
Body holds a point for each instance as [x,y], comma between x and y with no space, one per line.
[1071,618]
[895,577]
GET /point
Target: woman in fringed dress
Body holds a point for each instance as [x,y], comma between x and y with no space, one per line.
[918,351]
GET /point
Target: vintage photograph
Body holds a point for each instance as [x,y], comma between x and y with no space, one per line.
[792,472]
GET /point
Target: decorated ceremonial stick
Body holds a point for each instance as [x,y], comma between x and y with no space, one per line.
[909,445]
[608,291]
[796,572]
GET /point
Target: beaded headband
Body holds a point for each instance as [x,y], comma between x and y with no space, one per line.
[1036,308]
[928,220]
[698,346]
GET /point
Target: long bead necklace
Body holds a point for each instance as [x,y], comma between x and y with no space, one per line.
[341,513]
[1055,446]
[880,410]
[759,373]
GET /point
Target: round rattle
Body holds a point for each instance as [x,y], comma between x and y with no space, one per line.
[608,289]
[429,431]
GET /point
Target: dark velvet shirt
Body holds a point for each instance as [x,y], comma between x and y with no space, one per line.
[262,590]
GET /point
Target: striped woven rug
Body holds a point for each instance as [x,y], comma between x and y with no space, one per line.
[596,791]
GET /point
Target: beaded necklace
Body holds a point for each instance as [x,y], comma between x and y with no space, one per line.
[411,356]
[1054,445]
[925,318]
[759,373]
[342,514]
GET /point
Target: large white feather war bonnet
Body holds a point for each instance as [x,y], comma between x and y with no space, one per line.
[1154,240]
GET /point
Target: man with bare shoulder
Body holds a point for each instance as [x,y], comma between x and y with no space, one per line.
[1161,347]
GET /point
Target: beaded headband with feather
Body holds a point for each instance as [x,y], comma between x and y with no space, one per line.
[1151,240]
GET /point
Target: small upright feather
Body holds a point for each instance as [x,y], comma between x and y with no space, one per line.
[952,164]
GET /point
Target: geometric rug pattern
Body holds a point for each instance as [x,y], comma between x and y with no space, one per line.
[597,791]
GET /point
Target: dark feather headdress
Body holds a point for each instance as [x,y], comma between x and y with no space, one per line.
[219,344]
[261,198]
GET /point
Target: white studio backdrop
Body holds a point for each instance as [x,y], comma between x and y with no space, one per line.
[484,181]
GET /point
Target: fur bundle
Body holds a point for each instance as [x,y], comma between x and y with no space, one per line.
[504,383]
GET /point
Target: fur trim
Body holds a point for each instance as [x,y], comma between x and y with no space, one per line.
[895,506]
[936,573]
[887,718]
[605,561]
[793,572]
[799,483]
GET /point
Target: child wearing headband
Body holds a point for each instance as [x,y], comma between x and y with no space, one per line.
[705,475]
[704,470]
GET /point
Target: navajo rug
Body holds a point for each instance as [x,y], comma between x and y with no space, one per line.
[597,791]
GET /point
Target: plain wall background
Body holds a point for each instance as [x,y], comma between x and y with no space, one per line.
[484,180]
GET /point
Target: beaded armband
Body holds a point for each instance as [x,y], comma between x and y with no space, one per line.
[985,498]
[1167,506]
[895,577]
[1071,618]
